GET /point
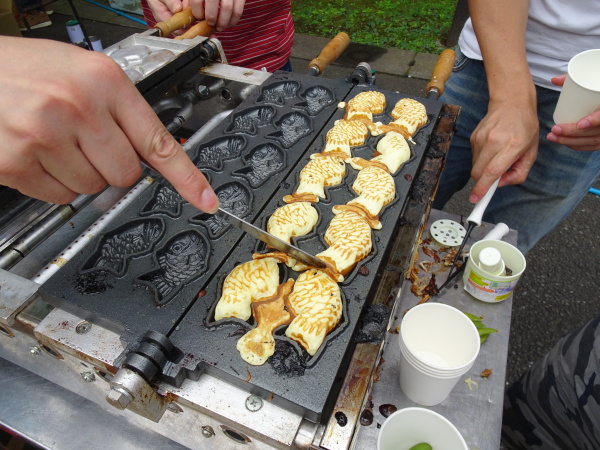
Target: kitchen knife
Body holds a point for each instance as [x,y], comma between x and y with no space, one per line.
[270,240]
[473,220]
[261,235]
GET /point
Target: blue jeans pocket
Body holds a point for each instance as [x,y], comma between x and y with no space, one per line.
[461,61]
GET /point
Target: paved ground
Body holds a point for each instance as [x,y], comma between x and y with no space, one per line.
[558,290]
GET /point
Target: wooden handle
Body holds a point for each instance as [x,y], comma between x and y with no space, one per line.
[182,19]
[441,71]
[200,29]
[330,52]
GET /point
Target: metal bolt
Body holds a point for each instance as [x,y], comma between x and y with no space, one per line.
[83,327]
[203,91]
[35,350]
[119,398]
[254,403]
[207,431]
[88,377]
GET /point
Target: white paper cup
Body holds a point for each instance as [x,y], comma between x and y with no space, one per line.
[438,345]
[580,94]
[411,426]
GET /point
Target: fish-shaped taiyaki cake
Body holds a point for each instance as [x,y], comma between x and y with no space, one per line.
[376,189]
[320,171]
[364,105]
[258,344]
[249,282]
[343,135]
[316,303]
[349,240]
[182,259]
[409,115]
[291,220]
[117,247]
[392,152]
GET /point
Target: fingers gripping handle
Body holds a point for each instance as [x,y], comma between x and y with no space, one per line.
[477,213]
[182,19]
[330,52]
[200,29]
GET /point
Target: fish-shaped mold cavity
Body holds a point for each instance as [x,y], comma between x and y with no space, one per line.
[277,93]
[212,154]
[292,127]
[316,99]
[262,162]
[183,259]
[249,120]
[166,201]
[117,247]
[234,197]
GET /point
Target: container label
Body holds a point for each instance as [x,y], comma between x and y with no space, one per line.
[488,290]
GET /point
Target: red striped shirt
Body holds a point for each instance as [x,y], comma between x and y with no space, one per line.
[262,38]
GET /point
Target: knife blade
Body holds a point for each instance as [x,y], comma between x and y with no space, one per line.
[270,240]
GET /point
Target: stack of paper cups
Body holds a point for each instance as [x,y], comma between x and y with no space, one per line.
[438,344]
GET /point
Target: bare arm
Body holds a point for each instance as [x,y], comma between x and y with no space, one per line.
[505,142]
[72,122]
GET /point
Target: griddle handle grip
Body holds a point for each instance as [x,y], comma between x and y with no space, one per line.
[441,72]
[200,29]
[330,52]
[180,20]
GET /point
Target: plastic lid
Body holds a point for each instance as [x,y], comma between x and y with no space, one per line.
[448,232]
[490,260]
[72,22]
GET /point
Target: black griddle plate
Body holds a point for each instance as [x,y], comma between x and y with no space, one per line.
[161,264]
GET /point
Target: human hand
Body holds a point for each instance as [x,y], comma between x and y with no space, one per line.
[218,13]
[505,144]
[163,10]
[583,135]
[72,122]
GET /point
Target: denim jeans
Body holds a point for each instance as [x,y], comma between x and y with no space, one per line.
[558,180]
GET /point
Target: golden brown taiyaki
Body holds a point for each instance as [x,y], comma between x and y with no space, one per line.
[376,189]
[364,105]
[294,219]
[343,135]
[320,171]
[349,240]
[258,344]
[316,303]
[249,282]
[409,115]
[392,152]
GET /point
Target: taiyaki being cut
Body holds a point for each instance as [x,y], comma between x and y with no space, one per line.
[294,219]
[249,282]
[409,115]
[376,189]
[392,152]
[258,344]
[320,171]
[316,303]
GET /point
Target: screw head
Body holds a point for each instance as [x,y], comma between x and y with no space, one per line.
[83,327]
[254,403]
[88,377]
[207,431]
[35,350]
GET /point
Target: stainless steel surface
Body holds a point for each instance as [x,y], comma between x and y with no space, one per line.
[474,408]
[270,240]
